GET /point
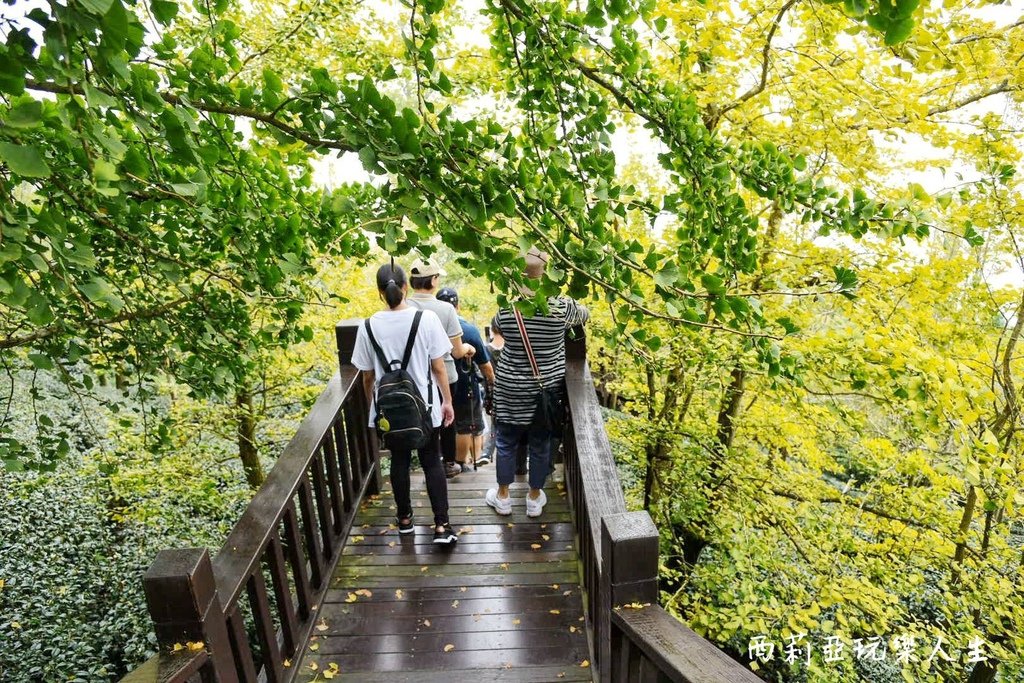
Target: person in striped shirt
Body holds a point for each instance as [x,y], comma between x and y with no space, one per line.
[517,390]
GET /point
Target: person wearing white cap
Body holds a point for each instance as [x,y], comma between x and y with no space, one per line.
[425,280]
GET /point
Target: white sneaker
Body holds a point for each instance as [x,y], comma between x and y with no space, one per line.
[534,508]
[503,506]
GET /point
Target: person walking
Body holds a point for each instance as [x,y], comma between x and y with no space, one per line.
[467,398]
[425,277]
[417,337]
[532,363]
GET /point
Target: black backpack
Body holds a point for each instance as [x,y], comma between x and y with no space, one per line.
[403,419]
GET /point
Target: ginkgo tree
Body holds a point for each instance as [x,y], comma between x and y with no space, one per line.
[159,214]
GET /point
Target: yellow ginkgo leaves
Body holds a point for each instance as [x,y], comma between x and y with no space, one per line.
[449,647]
[191,646]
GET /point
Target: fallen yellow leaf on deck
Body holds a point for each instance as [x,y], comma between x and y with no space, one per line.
[331,671]
[516,622]
[352,597]
[426,622]
[356,539]
[504,565]
[545,537]
[322,626]
[424,568]
[195,646]
[399,593]
[536,546]
[313,666]
[391,544]
[364,592]
[510,525]
[455,604]
[585,663]
[287,663]
[462,589]
[555,611]
[178,647]
[561,674]
[314,647]
[449,647]
[554,586]
[572,629]
[469,509]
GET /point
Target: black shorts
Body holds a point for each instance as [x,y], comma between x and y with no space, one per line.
[469,418]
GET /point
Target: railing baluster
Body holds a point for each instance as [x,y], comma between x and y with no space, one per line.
[355,453]
[323,506]
[244,664]
[334,482]
[295,557]
[282,595]
[273,666]
[309,528]
[345,467]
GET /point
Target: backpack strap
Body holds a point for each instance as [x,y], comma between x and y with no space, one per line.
[384,363]
[407,356]
[412,339]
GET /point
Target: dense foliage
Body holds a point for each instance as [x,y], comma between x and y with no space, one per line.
[820,358]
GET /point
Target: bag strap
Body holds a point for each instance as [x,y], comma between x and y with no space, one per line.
[407,356]
[526,343]
[384,363]
[412,339]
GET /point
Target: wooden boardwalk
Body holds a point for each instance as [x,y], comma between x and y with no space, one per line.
[503,605]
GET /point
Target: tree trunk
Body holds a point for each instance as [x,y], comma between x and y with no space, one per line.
[965,527]
[984,672]
[247,451]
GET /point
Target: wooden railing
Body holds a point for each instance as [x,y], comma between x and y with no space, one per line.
[243,615]
[632,639]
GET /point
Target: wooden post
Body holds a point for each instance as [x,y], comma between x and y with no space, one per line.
[629,573]
[576,344]
[181,594]
[345,333]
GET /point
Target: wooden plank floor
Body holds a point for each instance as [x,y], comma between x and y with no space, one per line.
[503,605]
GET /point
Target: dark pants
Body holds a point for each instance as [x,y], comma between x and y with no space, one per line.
[448,435]
[437,485]
[508,437]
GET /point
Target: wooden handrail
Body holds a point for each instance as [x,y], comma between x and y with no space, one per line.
[619,555]
[253,606]
[649,638]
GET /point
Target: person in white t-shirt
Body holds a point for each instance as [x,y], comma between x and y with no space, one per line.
[391,329]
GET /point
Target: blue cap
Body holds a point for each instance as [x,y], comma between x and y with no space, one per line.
[448,294]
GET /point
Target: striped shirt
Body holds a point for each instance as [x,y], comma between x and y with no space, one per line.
[515,388]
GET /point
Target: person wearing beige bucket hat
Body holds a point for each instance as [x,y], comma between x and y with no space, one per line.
[425,279]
